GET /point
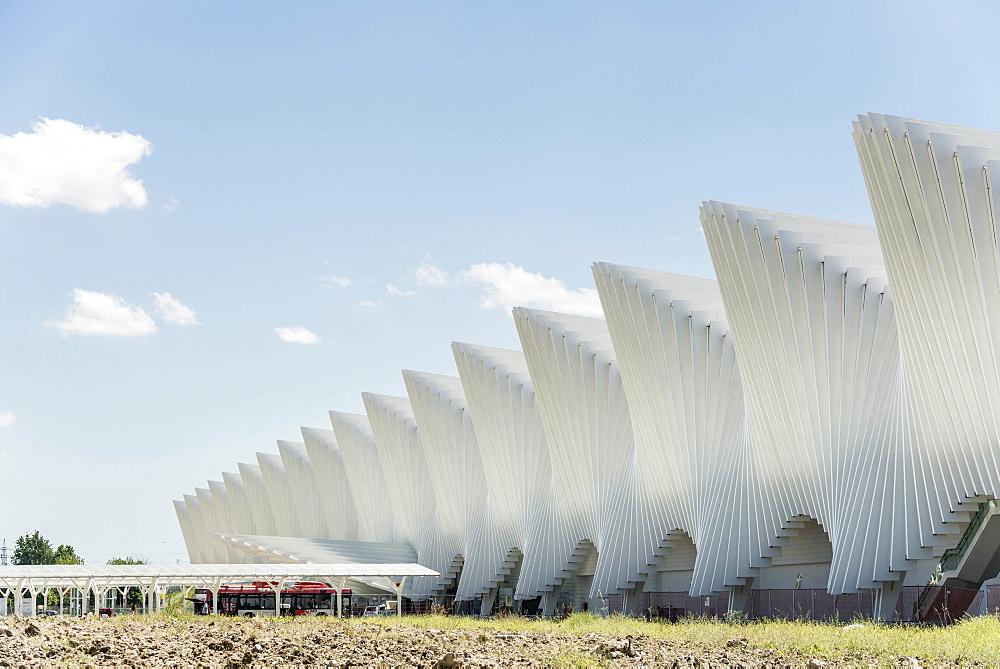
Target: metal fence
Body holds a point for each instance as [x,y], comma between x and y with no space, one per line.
[810,604]
[923,604]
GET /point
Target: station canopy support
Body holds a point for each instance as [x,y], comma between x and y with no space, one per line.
[155,578]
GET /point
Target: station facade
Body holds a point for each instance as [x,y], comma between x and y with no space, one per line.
[817,430]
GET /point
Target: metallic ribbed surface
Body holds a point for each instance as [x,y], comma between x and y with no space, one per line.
[829,405]
[517,468]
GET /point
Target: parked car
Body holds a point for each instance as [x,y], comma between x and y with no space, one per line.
[105,613]
[46,612]
[373,611]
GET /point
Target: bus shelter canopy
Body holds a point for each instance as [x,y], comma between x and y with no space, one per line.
[86,577]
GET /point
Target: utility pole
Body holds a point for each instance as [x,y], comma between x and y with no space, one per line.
[3,554]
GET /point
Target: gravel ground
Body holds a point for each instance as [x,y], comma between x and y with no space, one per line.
[153,641]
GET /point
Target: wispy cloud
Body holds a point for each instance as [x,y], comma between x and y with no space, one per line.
[508,285]
[398,292]
[102,315]
[431,276]
[425,276]
[368,305]
[336,281]
[7,418]
[173,311]
[61,162]
[296,334]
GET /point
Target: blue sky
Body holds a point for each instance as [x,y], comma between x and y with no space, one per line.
[297,159]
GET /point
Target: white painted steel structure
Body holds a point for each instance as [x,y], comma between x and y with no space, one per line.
[586,418]
[827,410]
[516,547]
[685,397]
[154,579]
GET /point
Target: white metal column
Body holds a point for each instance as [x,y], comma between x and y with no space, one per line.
[399,597]
[340,589]
[277,596]
[215,596]
[17,599]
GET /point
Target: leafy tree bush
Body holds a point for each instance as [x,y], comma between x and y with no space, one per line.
[36,549]
[65,554]
[126,560]
[33,549]
[133,595]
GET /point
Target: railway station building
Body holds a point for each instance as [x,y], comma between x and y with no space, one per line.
[814,431]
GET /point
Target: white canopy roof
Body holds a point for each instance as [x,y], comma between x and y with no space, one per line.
[73,575]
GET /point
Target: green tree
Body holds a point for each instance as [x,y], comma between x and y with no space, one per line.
[133,596]
[65,554]
[126,560]
[36,549]
[33,549]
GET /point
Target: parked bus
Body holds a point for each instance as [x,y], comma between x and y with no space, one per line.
[301,598]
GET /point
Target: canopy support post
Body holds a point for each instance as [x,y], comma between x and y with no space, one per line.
[277,597]
[215,596]
[85,596]
[399,597]
[151,597]
[340,604]
[17,600]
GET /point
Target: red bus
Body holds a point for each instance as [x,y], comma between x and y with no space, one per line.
[256,598]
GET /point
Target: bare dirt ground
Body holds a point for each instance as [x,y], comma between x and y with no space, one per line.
[222,642]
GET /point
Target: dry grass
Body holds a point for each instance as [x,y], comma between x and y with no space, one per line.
[972,641]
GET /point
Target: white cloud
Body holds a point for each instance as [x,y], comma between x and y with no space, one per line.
[398,292]
[7,418]
[172,311]
[102,315]
[3,454]
[296,334]
[336,281]
[430,276]
[368,305]
[508,285]
[61,162]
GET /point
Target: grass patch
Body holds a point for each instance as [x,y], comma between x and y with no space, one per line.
[972,641]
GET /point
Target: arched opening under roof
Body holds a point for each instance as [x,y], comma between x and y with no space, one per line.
[974,555]
[970,568]
[444,596]
[803,561]
[676,566]
[573,595]
[499,599]
[664,595]
[795,584]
